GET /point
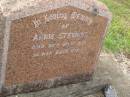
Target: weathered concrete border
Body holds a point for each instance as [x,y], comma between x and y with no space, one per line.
[73,90]
[42,85]
[5,51]
[43,6]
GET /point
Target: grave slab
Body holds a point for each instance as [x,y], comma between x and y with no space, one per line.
[51,43]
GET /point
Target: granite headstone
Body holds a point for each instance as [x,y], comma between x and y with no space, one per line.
[51,43]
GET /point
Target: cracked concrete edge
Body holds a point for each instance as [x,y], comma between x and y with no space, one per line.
[73,90]
[42,85]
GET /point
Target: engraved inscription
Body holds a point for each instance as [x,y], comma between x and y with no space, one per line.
[65,47]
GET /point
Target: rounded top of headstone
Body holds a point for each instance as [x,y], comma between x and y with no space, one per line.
[22,8]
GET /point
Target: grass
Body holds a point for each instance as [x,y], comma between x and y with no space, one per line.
[118,36]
